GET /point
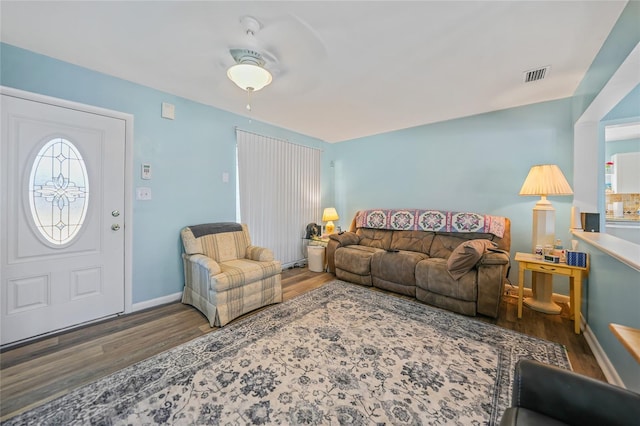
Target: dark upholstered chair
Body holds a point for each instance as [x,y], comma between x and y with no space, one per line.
[548,395]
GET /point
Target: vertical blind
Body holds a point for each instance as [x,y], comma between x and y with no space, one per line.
[279,192]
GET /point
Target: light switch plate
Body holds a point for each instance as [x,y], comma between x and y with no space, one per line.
[143,193]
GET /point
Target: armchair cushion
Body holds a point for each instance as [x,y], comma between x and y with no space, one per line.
[236,273]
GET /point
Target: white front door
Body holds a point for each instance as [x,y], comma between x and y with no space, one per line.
[62,218]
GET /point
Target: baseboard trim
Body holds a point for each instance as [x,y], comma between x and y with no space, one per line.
[601,357]
[175,297]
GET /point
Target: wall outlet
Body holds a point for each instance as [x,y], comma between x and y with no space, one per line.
[143,193]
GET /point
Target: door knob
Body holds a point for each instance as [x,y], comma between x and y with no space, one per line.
[115,226]
[115,213]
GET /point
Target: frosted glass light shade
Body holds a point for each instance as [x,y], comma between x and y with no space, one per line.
[249,77]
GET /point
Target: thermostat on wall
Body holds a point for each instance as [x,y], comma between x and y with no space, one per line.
[146,171]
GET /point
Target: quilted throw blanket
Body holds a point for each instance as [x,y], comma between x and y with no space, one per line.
[431,220]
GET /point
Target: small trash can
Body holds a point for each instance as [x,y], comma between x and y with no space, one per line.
[315,256]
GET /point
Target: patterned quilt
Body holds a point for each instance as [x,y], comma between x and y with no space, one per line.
[431,220]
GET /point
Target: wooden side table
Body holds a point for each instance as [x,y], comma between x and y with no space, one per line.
[529,262]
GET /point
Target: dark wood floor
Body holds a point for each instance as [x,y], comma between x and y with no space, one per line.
[47,368]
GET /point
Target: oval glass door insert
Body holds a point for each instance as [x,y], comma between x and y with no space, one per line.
[58,191]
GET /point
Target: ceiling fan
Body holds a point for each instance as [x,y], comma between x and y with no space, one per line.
[283,49]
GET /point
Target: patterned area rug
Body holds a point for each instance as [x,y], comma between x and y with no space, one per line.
[341,354]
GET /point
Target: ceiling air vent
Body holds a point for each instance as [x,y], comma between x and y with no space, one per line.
[535,75]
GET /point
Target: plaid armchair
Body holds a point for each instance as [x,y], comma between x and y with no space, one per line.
[225,276]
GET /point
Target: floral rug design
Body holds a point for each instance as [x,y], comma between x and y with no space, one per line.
[341,355]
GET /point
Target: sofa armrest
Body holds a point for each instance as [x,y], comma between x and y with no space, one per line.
[492,271]
[336,241]
[205,262]
[569,397]
[494,258]
[345,238]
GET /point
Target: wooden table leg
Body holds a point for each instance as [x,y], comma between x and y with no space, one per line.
[572,298]
[577,298]
[520,290]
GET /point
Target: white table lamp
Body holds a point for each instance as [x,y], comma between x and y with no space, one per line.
[544,180]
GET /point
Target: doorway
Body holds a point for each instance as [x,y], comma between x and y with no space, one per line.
[65,216]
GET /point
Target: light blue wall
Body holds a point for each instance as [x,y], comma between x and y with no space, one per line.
[188,156]
[475,164]
[619,147]
[627,111]
[612,296]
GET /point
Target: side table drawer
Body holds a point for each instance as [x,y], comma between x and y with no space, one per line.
[552,268]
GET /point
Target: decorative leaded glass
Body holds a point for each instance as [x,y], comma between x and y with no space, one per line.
[58,191]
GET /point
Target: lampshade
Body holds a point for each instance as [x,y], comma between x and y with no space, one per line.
[545,179]
[330,213]
[249,76]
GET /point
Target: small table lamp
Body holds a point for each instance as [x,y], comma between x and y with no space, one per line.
[543,180]
[329,215]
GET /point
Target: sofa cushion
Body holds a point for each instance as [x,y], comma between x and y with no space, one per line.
[416,241]
[466,256]
[378,238]
[432,275]
[397,267]
[355,259]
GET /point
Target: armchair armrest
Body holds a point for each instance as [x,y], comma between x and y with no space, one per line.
[260,254]
[569,397]
[205,262]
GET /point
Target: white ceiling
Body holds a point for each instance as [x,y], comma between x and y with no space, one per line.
[344,69]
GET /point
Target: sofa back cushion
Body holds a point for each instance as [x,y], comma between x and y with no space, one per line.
[377,238]
[418,241]
[445,243]
[220,246]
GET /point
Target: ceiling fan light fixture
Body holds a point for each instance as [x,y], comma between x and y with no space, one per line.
[249,76]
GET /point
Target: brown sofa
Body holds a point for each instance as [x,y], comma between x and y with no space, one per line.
[457,261]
